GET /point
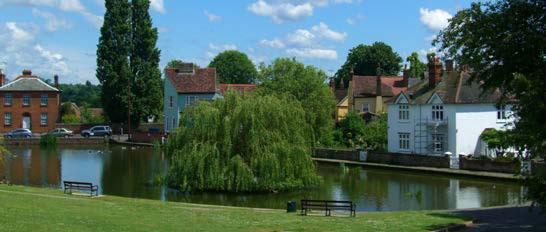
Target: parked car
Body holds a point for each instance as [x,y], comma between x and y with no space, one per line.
[60,132]
[19,133]
[97,131]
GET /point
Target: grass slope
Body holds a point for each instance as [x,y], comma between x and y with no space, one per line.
[35,209]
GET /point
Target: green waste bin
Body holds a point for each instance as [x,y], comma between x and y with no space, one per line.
[291,207]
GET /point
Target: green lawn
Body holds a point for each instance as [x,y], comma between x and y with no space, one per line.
[35,209]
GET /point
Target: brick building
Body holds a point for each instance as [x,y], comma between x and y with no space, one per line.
[28,102]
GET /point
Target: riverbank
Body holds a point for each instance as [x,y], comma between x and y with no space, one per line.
[492,175]
[37,209]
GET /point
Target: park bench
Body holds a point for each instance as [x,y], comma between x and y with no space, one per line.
[81,186]
[327,206]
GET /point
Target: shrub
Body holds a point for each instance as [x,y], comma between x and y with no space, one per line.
[48,140]
[70,118]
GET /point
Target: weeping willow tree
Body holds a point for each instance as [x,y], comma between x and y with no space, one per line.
[242,144]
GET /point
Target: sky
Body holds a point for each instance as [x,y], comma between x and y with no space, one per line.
[60,36]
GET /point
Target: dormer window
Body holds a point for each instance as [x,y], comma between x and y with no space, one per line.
[438,112]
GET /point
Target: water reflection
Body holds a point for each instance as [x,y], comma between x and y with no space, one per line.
[126,171]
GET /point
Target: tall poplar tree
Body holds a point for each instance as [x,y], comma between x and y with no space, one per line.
[113,51]
[145,64]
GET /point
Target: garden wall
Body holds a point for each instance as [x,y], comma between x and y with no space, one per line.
[488,165]
[36,141]
[116,127]
[143,137]
[409,159]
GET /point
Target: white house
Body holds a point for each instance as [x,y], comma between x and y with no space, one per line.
[444,113]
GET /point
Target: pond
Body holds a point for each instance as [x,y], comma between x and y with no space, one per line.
[128,171]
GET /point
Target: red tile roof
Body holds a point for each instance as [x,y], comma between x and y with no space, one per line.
[241,88]
[365,86]
[202,80]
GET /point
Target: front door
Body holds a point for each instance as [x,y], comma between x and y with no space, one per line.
[26,122]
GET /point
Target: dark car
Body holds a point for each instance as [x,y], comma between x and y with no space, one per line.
[97,131]
[19,133]
[60,132]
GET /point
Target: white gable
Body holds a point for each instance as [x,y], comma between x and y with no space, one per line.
[435,99]
[401,99]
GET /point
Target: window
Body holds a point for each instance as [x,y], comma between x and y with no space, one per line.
[404,141]
[43,119]
[174,123]
[191,99]
[7,119]
[501,113]
[438,140]
[403,112]
[7,99]
[437,112]
[365,107]
[26,100]
[171,101]
[43,100]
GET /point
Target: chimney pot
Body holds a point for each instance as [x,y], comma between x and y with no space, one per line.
[27,72]
[56,81]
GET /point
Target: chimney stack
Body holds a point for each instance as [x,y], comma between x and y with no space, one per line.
[27,72]
[56,81]
[449,65]
[332,83]
[434,72]
[378,91]
[405,80]
[2,78]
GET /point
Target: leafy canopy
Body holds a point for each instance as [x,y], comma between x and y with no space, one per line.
[364,59]
[504,43]
[239,144]
[234,67]
[307,84]
[417,68]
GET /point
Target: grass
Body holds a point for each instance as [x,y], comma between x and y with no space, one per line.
[35,209]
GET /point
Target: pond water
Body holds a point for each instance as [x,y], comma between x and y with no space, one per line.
[126,171]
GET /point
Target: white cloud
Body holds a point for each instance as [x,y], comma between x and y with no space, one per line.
[281,12]
[222,47]
[276,43]
[212,17]
[53,23]
[64,5]
[313,53]
[157,5]
[15,36]
[324,31]
[162,29]
[350,21]
[301,37]
[434,19]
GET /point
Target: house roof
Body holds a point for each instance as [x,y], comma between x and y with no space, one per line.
[201,80]
[365,86]
[241,88]
[340,93]
[454,88]
[28,83]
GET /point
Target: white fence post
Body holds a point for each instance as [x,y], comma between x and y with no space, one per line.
[453,160]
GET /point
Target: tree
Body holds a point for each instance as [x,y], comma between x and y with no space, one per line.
[351,128]
[504,43]
[81,94]
[144,59]
[307,85]
[242,144]
[174,63]
[364,59]
[234,67]
[113,50]
[126,54]
[417,68]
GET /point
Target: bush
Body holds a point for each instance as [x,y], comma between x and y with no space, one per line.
[242,144]
[48,140]
[70,118]
[353,132]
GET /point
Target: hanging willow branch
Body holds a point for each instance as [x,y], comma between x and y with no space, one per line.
[241,144]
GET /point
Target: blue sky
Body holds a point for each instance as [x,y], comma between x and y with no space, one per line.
[60,36]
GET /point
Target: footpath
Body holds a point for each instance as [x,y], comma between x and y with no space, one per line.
[505,219]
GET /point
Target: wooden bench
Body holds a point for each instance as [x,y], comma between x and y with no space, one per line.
[82,186]
[327,206]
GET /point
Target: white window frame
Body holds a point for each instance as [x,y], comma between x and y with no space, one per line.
[191,99]
[502,113]
[7,118]
[366,109]
[403,112]
[8,98]
[437,112]
[404,141]
[26,99]
[44,99]
[438,142]
[43,119]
